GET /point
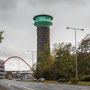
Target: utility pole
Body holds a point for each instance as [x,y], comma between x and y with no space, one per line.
[75,47]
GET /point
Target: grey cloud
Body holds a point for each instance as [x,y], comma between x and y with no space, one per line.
[78,2]
[20,33]
[7,8]
[7,4]
[48,3]
[35,3]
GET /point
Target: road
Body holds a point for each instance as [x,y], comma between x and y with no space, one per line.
[16,85]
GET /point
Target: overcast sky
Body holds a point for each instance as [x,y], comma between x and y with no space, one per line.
[16,19]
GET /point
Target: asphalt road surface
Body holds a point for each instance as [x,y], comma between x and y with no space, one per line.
[16,85]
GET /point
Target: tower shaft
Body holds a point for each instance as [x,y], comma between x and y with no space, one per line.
[43,22]
[43,38]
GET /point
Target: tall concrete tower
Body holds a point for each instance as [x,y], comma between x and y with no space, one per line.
[42,22]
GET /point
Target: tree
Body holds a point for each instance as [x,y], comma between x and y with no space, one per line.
[1,38]
[64,65]
[84,56]
[61,63]
[84,46]
[44,66]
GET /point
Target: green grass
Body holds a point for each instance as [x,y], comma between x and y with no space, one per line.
[83,83]
[55,82]
[27,81]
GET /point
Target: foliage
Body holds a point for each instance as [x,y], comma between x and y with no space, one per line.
[61,62]
[44,67]
[84,46]
[85,78]
[74,80]
[84,57]
[64,62]
[1,38]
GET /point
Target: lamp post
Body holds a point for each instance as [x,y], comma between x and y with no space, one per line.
[75,47]
[32,55]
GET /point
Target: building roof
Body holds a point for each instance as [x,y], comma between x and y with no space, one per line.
[42,15]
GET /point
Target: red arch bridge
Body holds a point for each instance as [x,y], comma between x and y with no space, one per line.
[19,59]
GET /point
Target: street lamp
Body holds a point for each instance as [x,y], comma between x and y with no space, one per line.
[32,56]
[75,46]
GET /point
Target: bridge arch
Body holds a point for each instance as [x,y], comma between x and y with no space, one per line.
[20,59]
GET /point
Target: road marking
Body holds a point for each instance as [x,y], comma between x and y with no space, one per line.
[9,85]
[82,88]
[28,88]
[63,85]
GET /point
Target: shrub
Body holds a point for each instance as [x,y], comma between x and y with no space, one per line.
[74,80]
[85,78]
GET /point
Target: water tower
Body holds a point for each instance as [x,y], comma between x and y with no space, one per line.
[43,23]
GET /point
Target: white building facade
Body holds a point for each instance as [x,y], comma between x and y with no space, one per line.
[2,70]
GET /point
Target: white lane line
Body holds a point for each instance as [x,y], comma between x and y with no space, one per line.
[82,88]
[28,88]
[9,85]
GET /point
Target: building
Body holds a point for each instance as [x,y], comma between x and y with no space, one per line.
[19,74]
[2,70]
[25,74]
[42,22]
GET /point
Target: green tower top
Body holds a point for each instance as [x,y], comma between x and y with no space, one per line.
[43,20]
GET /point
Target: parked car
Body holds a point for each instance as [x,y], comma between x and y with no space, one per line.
[35,79]
[63,80]
[41,79]
[22,78]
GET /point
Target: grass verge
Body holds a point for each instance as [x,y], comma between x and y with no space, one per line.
[55,82]
[83,83]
